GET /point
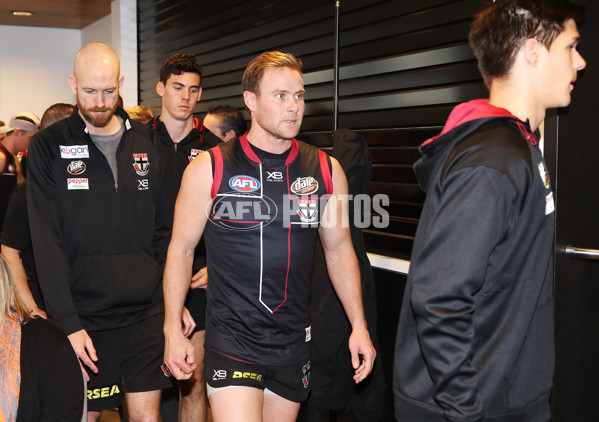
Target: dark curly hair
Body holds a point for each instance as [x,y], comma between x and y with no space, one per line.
[178,64]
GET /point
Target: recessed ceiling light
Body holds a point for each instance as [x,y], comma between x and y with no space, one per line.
[21,13]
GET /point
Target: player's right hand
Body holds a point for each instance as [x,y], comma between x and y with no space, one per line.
[85,351]
[179,355]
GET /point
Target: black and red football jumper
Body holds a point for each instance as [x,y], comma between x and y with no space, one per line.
[260,239]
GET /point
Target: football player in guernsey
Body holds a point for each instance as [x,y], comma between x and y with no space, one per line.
[260,200]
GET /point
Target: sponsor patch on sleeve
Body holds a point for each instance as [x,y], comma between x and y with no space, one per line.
[549,204]
[77,183]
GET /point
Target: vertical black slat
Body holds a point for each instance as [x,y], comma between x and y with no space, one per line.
[336,67]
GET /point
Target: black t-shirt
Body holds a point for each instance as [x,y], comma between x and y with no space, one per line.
[15,234]
[52,386]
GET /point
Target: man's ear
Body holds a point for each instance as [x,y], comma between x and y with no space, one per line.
[230,135]
[199,93]
[73,84]
[160,88]
[249,98]
[533,50]
[121,82]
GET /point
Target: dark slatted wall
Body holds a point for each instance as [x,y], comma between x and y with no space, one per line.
[403,66]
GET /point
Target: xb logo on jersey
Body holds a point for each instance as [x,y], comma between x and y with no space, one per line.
[274,176]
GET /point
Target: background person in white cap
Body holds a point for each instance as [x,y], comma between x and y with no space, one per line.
[17,135]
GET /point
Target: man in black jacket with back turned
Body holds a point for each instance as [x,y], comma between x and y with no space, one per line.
[475,336]
[99,238]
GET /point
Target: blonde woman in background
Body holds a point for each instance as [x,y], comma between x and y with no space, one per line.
[41,374]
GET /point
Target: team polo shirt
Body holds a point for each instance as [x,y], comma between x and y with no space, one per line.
[260,238]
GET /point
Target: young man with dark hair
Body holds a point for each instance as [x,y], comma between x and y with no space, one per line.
[225,121]
[475,335]
[182,139]
[258,324]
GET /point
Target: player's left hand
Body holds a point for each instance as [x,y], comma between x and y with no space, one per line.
[188,323]
[200,279]
[361,345]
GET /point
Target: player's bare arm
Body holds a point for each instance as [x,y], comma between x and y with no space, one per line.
[190,219]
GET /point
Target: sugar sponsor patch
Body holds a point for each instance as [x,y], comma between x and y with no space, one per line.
[74,151]
[77,183]
[309,333]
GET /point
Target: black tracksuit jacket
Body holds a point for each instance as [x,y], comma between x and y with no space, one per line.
[99,244]
[475,335]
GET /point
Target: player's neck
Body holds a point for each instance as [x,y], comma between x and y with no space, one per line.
[267,142]
[177,129]
[518,100]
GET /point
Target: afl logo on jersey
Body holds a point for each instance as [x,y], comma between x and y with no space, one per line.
[245,184]
[304,186]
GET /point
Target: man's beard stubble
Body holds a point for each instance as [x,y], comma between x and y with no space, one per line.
[99,120]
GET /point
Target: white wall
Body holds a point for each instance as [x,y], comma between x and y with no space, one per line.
[119,31]
[35,62]
[34,67]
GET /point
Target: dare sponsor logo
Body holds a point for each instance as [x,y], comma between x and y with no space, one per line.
[304,185]
[245,184]
[104,392]
[76,167]
[74,151]
[77,183]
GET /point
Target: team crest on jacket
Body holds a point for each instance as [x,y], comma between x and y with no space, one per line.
[306,377]
[245,184]
[141,164]
[544,174]
[194,153]
[76,167]
[304,185]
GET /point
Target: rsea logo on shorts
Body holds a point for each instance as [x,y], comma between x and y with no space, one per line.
[103,392]
[249,375]
[245,184]
[74,151]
